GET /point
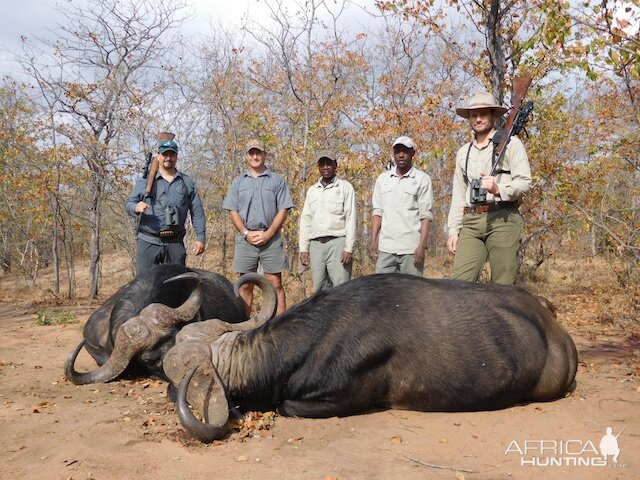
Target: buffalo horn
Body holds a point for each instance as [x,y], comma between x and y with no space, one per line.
[154,322]
[205,432]
[269,302]
[189,309]
[69,366]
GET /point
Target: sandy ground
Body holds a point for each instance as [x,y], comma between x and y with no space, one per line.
[51,429]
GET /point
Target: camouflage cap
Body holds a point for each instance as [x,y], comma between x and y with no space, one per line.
[255,143]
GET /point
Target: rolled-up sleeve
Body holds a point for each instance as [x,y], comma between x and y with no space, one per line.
[136,196]
[351,218]
[283,197]
[305,225]
[458,193]
[425,198]
[376,199]
[519,181]
[231,199]
[198,218]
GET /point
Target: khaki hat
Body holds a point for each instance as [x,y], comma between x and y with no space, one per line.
[406,141]
[255,143]
[326,154]
[481,100]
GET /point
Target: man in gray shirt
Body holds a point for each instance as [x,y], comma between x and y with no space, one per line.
[258,202]
[402,214]
[162,229]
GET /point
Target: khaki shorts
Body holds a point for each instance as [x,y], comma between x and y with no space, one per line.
[271,257]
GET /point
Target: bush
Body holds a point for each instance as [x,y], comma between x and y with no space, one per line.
[61,318]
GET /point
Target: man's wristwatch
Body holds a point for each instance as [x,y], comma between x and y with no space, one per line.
[245,233]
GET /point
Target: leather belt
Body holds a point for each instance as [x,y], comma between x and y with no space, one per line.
[323,239]
[489,207]
[166,237]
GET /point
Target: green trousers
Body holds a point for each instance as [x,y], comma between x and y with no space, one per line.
[495,236]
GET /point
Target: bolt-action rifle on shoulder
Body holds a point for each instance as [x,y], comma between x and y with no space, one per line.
[516,121]
[150,171]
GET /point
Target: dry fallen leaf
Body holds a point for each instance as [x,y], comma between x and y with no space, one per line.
[396,440]
[149,422]
[460,475]
[41,405]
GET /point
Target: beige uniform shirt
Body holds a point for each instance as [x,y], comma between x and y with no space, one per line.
[512,185]
[329,211]
[402,202]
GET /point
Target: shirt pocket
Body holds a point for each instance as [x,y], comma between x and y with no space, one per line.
[410,197]
[269,194]
[335,204]
[183,195]
[245,192]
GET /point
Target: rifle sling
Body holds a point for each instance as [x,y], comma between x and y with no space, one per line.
[466,164]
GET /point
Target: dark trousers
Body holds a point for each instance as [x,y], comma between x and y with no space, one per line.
[148,254]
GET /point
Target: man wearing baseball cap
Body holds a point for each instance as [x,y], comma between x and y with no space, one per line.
[258,203]
[490,228]
[328,226]
[164,212]
[402,214]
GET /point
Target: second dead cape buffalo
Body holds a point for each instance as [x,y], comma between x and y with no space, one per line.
[380,341]
[134,328]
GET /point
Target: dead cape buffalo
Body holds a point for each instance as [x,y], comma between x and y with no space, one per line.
[380,341]
[134,329]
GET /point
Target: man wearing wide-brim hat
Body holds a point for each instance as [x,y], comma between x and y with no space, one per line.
[491,228]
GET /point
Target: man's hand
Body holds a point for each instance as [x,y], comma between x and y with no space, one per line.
[418,256]
[259,238]
[304,259]
[489,184]
[198,247]
[373,249]
[141,207]
[346,258]
[452,243]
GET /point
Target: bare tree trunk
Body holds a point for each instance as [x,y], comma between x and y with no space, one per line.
[94,246]
[56,212]
[67,239]
[495,46]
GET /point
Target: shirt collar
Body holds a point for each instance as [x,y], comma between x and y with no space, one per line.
[491,134]
[410,174]
[267,173]
[178,174]
[333,183]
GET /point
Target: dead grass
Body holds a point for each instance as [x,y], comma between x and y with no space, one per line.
[584,285]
